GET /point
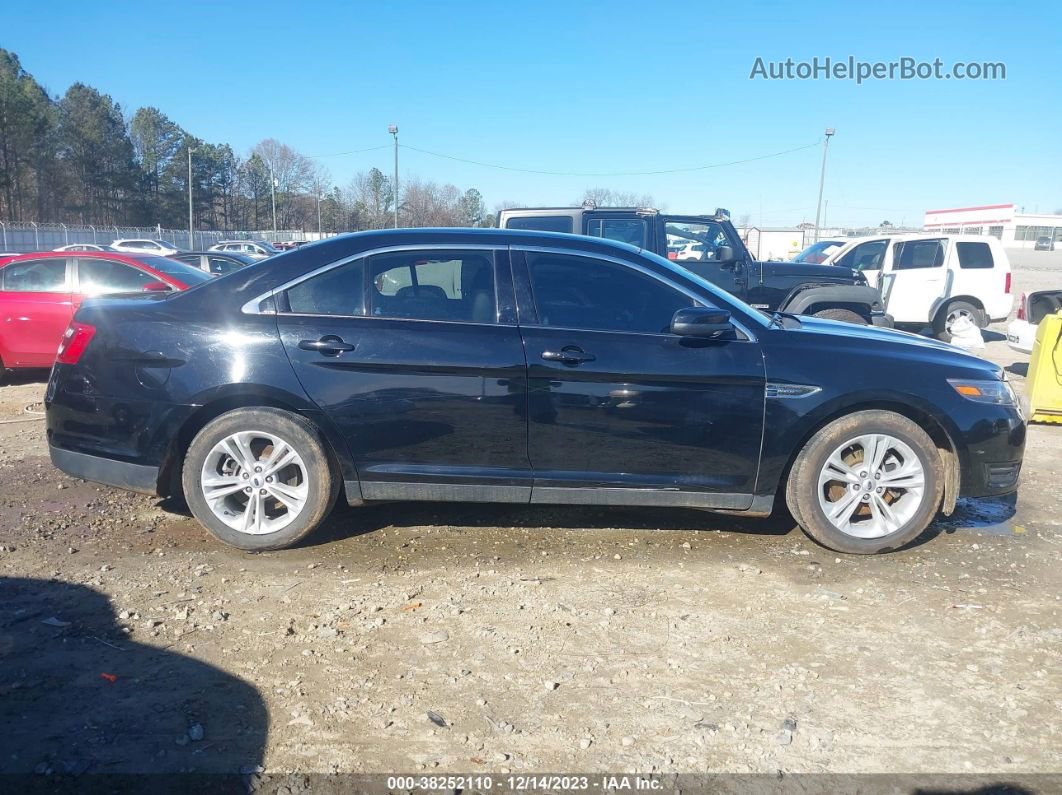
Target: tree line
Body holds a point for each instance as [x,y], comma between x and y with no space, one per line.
[78,159]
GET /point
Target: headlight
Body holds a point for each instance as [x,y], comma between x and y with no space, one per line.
[998,393]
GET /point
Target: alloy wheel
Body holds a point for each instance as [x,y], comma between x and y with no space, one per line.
[871,486]
[255,482]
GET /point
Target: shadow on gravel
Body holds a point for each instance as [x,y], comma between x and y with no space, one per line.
[22,377]
[346,522]
[82,706]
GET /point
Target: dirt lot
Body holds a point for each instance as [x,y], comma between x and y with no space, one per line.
[467,638]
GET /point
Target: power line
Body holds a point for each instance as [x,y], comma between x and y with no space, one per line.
[609,173]
[351,152]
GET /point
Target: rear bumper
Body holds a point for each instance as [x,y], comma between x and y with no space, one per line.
[132,477]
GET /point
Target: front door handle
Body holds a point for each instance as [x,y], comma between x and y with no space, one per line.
[329,345]
[568,355]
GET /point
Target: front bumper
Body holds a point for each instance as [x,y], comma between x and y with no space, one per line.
[132,477]
[995,445]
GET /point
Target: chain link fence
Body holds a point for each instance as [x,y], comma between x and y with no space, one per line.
[22,236]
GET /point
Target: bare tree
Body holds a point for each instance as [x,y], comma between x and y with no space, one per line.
[606,197]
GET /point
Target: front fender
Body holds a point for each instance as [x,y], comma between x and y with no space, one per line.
[803,298]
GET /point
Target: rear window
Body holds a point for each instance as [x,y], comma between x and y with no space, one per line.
[542,223]
[35,276]
[179,270]
[974,255]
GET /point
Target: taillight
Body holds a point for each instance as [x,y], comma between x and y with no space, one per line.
[1006,289]
[1021,303]
[75,340]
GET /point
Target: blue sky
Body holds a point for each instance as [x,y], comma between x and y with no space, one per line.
[595,86]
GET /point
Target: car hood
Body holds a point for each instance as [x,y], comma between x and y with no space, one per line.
[904,340]
[808,271]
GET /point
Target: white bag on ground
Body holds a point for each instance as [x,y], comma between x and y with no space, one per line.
[966,335]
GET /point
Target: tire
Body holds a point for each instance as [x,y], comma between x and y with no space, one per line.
[910,457]
[847,315]
[289,504]
[950,311]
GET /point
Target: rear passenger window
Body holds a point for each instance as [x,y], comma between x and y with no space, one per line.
[35,276]
[433,285]
[340,291]
[974,255]
[914,254]
[623,230]
[542,223]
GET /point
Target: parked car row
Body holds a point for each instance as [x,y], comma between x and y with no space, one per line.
[255,249]
[927,279]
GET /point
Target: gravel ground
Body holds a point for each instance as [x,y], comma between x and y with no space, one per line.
[472,638]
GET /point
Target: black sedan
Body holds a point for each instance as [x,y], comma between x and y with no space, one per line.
[523,367]
[217,263]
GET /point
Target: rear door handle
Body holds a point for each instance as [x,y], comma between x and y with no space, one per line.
[568,355]
[328,345]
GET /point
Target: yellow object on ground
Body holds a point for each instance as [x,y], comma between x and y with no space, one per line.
[1045,372]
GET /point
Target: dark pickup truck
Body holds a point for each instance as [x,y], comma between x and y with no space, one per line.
[710,246]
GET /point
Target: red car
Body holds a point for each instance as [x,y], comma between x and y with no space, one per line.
[40,292]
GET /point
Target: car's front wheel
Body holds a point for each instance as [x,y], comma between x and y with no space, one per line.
[866,483]
[259,478]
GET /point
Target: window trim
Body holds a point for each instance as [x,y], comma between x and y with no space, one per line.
[254,306]
[700,299]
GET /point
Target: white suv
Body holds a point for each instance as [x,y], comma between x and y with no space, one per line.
[144,246]
[934,279]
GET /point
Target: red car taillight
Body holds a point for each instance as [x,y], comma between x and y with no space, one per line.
[1021,307]
[75,340]
[1006,288]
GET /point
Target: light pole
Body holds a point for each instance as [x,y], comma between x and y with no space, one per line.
[393,129]
[822,179]
[191,219]
[318,212]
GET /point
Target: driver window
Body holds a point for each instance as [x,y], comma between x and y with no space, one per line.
[694,241]
[585,293]
[866,256]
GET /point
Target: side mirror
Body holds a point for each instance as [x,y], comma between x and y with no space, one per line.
[724,254]
[704,322]
[156,287]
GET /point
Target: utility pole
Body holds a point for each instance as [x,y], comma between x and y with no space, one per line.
[273,194]
[318,211]
[822,179]
[393,129]
[191,219]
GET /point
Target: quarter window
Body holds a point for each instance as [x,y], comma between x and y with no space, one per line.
[586,293]
[974,255]
[914,254]
[433,285]
[100,276]
[35,276]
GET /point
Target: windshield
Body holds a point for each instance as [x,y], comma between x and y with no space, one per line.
[179,270]
[818,252]
[725,298]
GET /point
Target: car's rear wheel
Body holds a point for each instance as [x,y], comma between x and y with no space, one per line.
[952,312]
[847,315]
[259,478]
[866,483]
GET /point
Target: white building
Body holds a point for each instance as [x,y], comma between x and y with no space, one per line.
[1007,222]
